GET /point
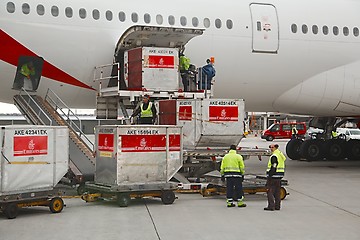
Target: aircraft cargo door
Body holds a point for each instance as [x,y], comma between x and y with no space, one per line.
[265,28]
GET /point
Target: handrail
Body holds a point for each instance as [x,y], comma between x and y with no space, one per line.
[99,76]
[40,111]
[72,124]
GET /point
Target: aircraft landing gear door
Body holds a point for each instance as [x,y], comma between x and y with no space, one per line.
[265,28]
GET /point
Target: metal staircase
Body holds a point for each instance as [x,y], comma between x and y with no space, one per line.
[53,111]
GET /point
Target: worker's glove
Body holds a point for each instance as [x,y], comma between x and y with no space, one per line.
[222,178]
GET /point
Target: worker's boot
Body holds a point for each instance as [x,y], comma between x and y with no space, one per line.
[241,202]
[230,203]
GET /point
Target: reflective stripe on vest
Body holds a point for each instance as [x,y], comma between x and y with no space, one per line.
[280,168]
[146,112]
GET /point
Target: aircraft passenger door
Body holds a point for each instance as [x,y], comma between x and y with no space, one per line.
[265,28]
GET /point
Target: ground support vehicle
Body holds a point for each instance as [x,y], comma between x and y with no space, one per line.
[252,184]
[33,161]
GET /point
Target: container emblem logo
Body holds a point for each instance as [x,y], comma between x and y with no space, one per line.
[143,142]
[223,113]
[31,145]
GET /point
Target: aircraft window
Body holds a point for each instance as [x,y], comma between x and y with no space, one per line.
[346,31]
[147,18]
[315,29]
[82,13]
[26,8]
[217,23]
[109,15]
[55,11]
[40,9]
[10,7]
[325,30]
[159,19]
[183,21]
[122,16]
[294,28]
[229,24]
[134,17]
[356,31]
[206,22]
[171,20]
[304,28]
[69,12]
[195,21]
[335,30]
[96,14]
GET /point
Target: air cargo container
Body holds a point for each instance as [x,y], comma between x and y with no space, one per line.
[152,68]
[33,161]
[137,160]
[207,123]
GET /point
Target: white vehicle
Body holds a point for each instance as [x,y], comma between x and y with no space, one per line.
[270,54]
[350,133]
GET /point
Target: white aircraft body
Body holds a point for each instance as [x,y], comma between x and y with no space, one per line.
[289,56]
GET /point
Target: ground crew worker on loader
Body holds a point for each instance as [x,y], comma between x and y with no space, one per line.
[232,169]
[184,67]
[146,110]
[275,172]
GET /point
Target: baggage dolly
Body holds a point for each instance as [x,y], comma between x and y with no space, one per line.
[123,193]
[252,184]
[10,204]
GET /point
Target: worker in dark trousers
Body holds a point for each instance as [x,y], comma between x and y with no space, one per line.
[232,169]
[146,110]
[294,132]
[275,172]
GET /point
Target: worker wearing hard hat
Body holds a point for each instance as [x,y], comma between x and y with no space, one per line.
[275,172]
[232,169]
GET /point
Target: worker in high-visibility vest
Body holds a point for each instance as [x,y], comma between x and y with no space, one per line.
[184,64]
[146,110]
[294,132]
[275,172]
[232,169]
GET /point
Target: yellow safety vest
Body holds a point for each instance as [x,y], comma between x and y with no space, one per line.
[232,165]
[146,112]
[280,168]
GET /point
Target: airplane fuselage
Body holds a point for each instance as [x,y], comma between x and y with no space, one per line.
[277,55]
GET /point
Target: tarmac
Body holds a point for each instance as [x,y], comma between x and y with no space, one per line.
[323,204]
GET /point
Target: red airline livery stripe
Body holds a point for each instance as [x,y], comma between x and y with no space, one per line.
[11,50]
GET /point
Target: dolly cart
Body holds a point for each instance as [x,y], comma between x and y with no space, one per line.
[10,204]
[124,193]
[252,184]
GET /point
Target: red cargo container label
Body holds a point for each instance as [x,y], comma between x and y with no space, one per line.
[30,145]
[106,142]
[149,143]
[155,61]
[223,113]
[185,113]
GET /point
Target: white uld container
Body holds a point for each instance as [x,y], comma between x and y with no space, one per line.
[207,123]
[152,68]
[137,154]
[33,158]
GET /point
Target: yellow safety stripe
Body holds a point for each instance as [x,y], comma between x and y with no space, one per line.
[20,163]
